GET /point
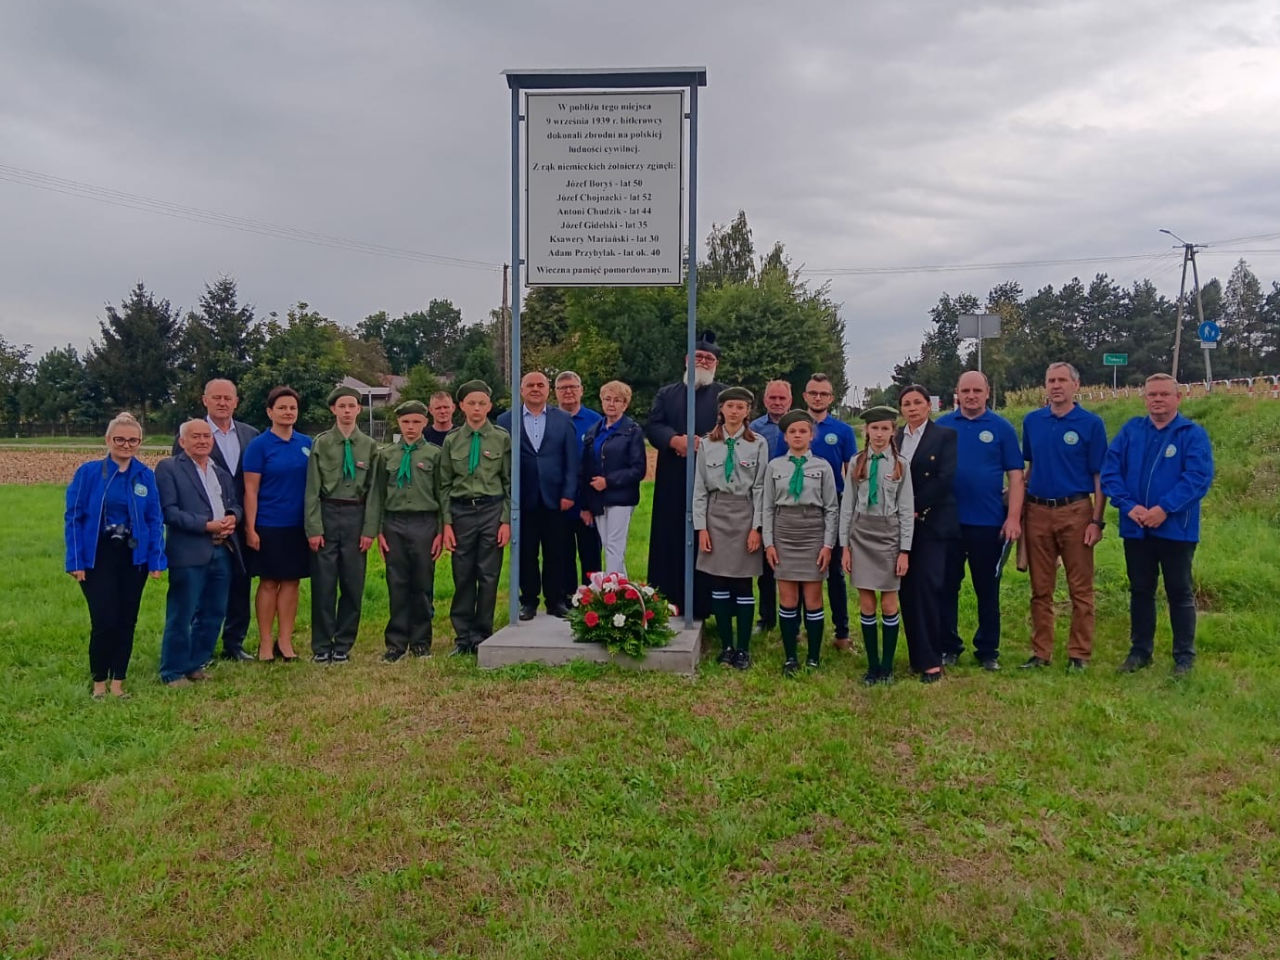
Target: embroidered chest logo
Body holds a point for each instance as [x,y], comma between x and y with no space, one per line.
[1071,438]
[832,439]
[139,490]
[1170,451]
[986,436]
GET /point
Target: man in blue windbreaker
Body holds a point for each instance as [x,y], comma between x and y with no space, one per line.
[1156,472]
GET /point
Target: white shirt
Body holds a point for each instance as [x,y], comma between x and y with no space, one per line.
[535,426]
[228,442]
[212,488]
[911,440]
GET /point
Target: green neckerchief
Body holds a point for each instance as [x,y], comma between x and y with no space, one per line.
[473,458]
[728,461]
[796,486]
[404,476]
[348,460]
[873,479]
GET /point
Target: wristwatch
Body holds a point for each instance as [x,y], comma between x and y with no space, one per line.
[1100,524]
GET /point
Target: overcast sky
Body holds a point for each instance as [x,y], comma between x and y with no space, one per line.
[915,134]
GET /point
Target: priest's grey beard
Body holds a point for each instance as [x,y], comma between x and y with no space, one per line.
[703,377]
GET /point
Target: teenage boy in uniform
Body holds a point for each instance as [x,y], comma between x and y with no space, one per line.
[340,527]
[475,508]
[407,494]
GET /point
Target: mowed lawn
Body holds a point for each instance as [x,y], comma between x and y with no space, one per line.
[429,809]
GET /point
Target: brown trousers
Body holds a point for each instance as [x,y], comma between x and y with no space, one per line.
[1050,533]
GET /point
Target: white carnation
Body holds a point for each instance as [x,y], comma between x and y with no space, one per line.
[575,600]
[619,619]
[648,591]
[610,587]
[671,609]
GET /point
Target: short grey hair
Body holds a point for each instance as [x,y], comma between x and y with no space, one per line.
[564,376]
[1075,374]
[209,386]
[186,424]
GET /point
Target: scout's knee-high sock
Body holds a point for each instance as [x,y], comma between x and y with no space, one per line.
[746,615]
[870,641]
[789,624]
[723,607]
[814,623]
[890,622]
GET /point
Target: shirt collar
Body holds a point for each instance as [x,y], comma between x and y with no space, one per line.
[907,431]
[530,413]
[216,429]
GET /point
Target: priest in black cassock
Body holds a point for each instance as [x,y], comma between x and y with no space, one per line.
[666,430]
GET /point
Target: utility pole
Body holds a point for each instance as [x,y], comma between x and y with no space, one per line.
[1188,256]
[504,326]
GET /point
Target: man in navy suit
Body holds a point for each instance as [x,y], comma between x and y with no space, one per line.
[230,440]
[549,462]
[201,510]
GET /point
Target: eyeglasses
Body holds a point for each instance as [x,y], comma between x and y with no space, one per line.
[126,441]
[569,386]
[818,393]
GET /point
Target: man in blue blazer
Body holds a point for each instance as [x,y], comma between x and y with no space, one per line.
[201,510]
[549,462]
[231,438]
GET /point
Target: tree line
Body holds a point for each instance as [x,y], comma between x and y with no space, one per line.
[154,360]
[1079,323]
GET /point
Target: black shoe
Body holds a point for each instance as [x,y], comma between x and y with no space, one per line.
[528,613]
[885,677]
[991,665]
[1133,663]
[742,660]
[339,657]
[727,656]
[420,651]
[811,663]
[1183,668]
[950,659]
[931,677]
[1076,665]
[320,658]
[459,650]
[559,610]
[239,653]
[871,678]
[1033,663]
[791,667]
[763,626]
[391,656]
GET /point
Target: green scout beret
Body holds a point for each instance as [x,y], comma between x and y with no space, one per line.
[338,392]
[470,387]
[411,406]
[736,393]
[880,414]
[794,416]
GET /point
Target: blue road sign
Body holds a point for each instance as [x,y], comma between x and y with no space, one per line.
[1209,332]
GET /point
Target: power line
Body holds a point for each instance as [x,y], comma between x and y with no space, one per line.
[961,267]
[88,191]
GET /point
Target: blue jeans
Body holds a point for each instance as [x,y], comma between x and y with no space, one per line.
[194,610]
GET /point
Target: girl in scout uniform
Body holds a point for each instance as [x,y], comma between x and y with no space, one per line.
[876,525]
[800,513]
[727,486]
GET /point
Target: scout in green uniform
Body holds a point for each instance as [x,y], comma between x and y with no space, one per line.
[800,513]
[407,495]
[339,526]
[475,507]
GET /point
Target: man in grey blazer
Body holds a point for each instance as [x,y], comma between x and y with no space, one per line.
[201,510]
[230,440]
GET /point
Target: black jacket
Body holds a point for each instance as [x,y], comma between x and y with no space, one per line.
[932,468]
[622,463]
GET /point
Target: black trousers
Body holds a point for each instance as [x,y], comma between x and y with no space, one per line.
[236,626]
[981,547]
[922,603]
[768,588]
[544,531]
[838,594]
[411,577]
[337,579]
[113,589]
[583,555]
[1144,561]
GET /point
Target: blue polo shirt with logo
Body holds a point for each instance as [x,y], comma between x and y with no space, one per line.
[1064,452]
[283,465]
[833,441]
[986,448]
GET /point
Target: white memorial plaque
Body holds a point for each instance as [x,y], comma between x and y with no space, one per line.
[603,189]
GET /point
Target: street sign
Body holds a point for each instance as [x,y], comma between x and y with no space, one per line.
[1208,344]
[978,326]
[1115,359]
[1209,332]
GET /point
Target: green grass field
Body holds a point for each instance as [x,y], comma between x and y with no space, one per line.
[430,810]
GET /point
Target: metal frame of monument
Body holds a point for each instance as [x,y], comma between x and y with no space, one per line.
[639,79]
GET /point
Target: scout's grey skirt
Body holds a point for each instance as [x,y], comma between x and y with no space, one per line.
[873,547]
[729,520]
[797,536]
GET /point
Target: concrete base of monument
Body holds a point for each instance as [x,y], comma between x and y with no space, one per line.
[547,639]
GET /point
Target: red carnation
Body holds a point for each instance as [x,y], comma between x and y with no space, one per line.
[610,598]
[648,615]
[632,594]
[591,618]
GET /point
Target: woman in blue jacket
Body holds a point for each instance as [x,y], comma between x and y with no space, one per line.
[613,464]
[115,536]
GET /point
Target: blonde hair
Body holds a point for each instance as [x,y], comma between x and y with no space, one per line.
[618,389]
[123,419]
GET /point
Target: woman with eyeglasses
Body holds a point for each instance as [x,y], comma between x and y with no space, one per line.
[115,537]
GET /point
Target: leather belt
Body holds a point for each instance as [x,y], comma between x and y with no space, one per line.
[1058,501]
